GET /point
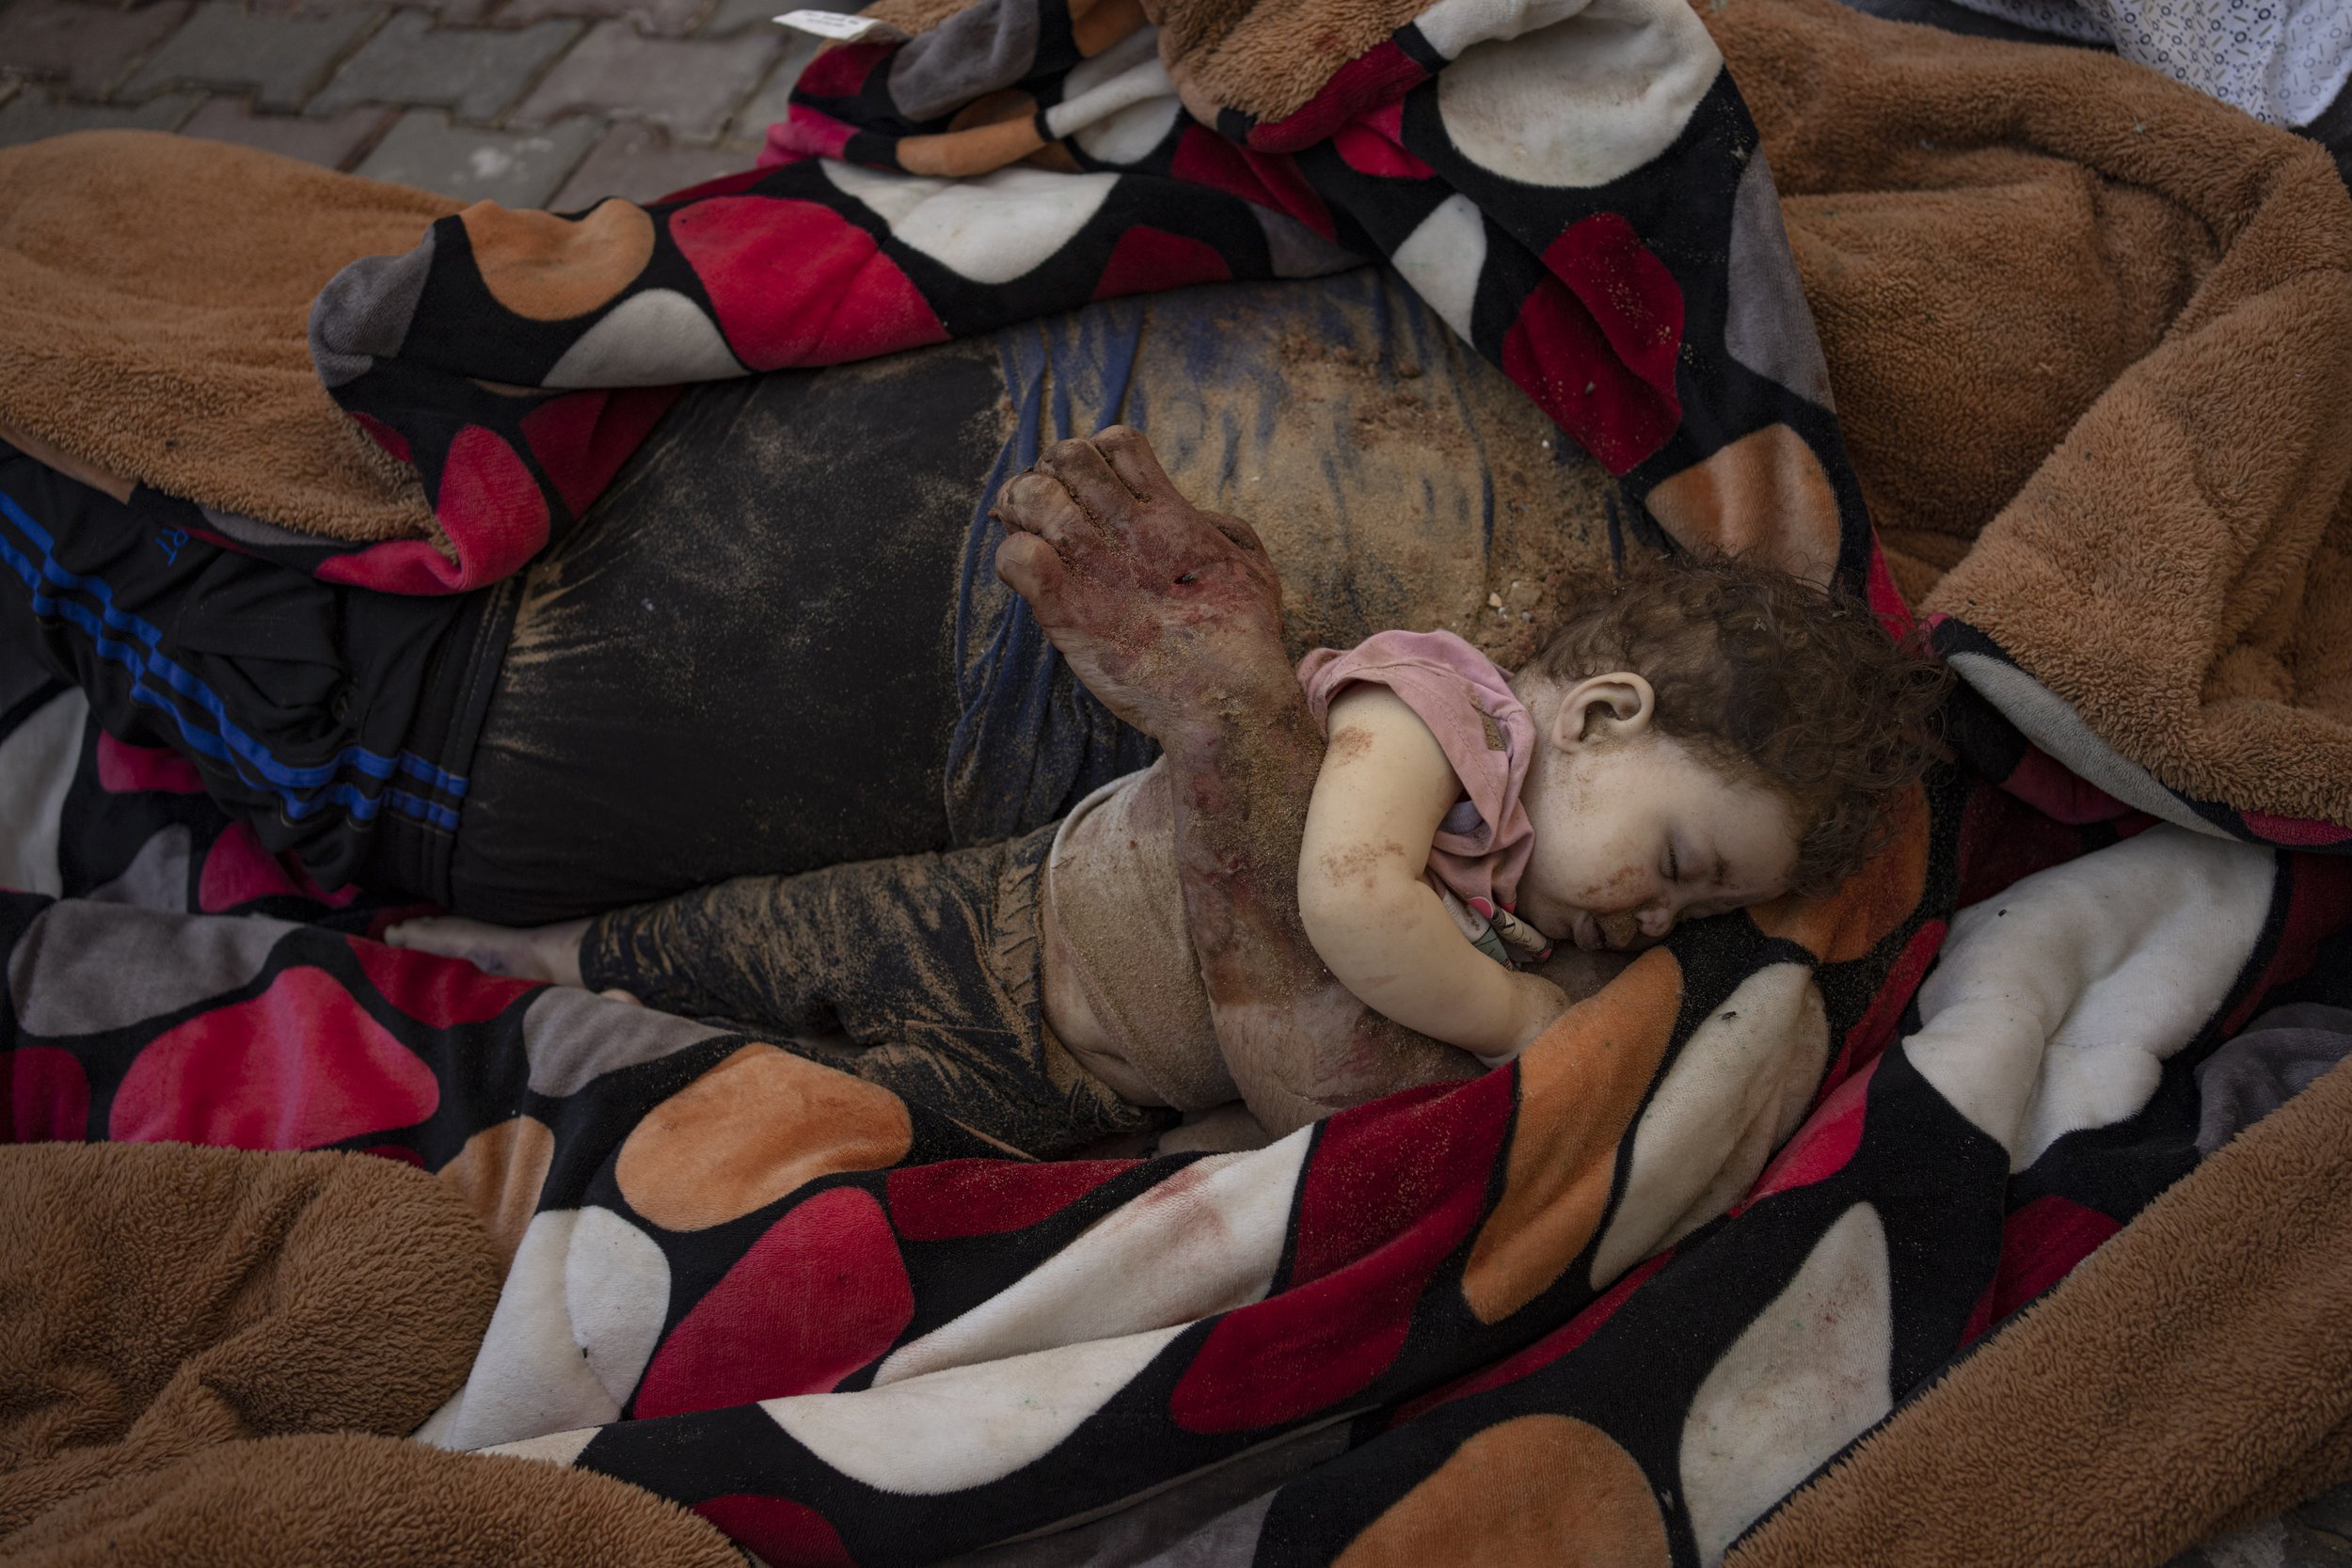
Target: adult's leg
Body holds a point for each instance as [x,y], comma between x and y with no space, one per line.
[740,661]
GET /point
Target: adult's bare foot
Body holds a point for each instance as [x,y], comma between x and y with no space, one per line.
[1170,615]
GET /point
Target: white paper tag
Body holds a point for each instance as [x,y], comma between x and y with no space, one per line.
[845,29]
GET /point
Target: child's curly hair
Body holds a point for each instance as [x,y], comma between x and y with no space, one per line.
[1771,679]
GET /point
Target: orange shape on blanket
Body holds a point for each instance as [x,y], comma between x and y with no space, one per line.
[547,269]
[1579,1089]
[1843,925]
[1542,1491]
[498,1173]
[760,1124]
[1580,1086]
[1764,495]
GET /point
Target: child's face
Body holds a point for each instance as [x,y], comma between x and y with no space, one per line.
[1634,832]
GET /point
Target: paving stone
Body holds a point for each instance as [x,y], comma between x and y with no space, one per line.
[638,164]
[689,86]
[279,59]
[733,16]
[329,142]
[89,46]
[518,169]
[32,113]
[476,72]
[2331,1511]
[665,18]
[460,12]
[749,127]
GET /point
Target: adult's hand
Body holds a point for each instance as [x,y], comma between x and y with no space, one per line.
[1173,616]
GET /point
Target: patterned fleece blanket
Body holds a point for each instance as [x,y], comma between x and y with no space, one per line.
[2085,324]
[1607,1305]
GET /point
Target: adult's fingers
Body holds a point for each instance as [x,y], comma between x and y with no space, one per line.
[1037,503]
[1238,532]
[1031,568]
[1133,460]
[1083,472]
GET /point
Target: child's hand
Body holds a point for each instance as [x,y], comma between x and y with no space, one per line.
[1537,1004]
[546,953]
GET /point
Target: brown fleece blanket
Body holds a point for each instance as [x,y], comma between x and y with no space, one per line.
[2088,330]
[2088,334]
[2192,1374]
[207,1357]
[153,297]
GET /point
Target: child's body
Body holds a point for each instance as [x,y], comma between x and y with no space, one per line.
[1045,992]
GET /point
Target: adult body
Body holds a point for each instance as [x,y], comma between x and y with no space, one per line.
[777,641]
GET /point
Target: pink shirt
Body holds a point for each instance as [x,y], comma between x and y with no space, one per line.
[1482,848]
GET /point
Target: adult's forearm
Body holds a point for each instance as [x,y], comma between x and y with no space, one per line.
[1298,1043]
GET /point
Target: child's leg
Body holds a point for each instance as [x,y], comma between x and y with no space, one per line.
[933,962]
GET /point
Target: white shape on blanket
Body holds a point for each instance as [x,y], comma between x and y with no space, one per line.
[1205,1240]
[2056,1003]
[1585,101]
[650,340]
[1120,104]
[1798,1383]
[1734,1095]
[992,230]
[38,762]
[1442,259]
[575,1326]
[966,1426]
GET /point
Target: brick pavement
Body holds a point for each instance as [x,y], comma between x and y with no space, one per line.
[531,102]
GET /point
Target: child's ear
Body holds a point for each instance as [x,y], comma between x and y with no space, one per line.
[1604,709]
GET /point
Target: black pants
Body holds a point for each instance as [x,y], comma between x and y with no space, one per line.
[928,963]
[335,721]
[740,661]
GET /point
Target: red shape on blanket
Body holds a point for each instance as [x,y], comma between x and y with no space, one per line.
[298,1067]
[1390,1191]
[778,1529]
[440,993]
[488,502]
[955,1199]
[582,438]
[1146,259]
[1375,145]
[1594,343]
[817,1296]
[1205,158]
[1824,1144]
[2299,832]
[2041,1244]
[848,301]
[238,870]
[48,1095]
[124,768]
[841,72]
[1383,73]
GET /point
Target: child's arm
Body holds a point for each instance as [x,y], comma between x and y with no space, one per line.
[1377,925]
